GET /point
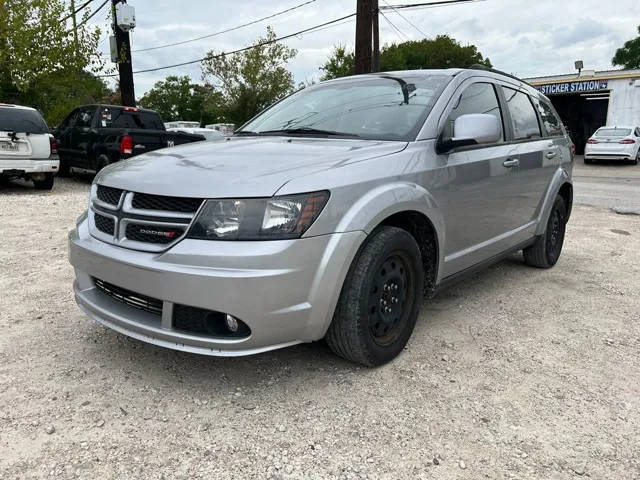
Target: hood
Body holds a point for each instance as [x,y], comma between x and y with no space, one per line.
[239,167]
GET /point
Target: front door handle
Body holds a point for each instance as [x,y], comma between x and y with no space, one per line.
[512,162]
[551,155]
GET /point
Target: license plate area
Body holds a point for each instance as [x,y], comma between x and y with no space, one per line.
[9,147]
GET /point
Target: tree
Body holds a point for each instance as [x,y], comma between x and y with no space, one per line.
[629,55]
[441,52]
[251,80]
[40,63]
[341,63]
[178,98]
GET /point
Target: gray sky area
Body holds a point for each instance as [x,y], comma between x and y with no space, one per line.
[525,37]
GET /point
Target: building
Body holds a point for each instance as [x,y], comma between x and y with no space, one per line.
[591,99]
[182,124]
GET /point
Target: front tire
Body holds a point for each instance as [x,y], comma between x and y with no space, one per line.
[545,252]
[46,184]
[380,299]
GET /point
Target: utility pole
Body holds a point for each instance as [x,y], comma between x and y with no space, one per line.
[75,26]
[125,68]
[376,37]
[364,23]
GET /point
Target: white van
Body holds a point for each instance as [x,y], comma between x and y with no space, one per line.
[27,149]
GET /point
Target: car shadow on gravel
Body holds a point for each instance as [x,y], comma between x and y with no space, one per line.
[153,364]
[17,186]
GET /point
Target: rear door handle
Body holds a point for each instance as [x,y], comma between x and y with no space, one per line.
[512,162]
[551,155]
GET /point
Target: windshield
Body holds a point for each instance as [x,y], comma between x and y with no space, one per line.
[21,120]
[377,108]
[613,132]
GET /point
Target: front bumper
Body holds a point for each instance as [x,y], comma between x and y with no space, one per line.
[285,291]
[26,166]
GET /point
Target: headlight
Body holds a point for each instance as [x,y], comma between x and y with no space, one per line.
[276,218]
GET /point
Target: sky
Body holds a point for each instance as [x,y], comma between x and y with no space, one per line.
[524,37]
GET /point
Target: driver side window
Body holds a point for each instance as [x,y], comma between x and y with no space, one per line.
[477,98]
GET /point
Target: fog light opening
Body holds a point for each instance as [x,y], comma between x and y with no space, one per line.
[232,323]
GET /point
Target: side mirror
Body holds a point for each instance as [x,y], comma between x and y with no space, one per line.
[472,129]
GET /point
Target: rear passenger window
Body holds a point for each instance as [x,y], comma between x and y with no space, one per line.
[523,116]
[477,98]
[552,124]
[84,117]
[119,118]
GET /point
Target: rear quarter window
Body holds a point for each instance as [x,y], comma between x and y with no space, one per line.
[21,120]
[552,124]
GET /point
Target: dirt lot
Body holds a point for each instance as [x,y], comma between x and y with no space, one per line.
[514,373]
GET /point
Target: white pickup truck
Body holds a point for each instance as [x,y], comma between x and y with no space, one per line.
[27,149]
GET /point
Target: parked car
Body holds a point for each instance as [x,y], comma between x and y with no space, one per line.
[614,143]
[329,215]
[208,134]
[94,136]
[27,149]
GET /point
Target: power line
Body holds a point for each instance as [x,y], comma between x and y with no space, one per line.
[93,14]
[84,5]
[244,49]
[402,36]
[427,4]
[406,19]
[282,12]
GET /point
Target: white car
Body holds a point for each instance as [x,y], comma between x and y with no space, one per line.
[208,134]
[613,143]
[27,149]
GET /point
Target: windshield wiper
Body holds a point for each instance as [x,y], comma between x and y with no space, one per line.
[245,132]
[308,130]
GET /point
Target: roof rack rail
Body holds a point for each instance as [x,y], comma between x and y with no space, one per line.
[478,66]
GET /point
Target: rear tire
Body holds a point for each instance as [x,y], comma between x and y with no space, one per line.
[380,299]
[588,161]
[46,184]
[545,252]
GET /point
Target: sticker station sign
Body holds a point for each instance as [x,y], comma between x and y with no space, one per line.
[574,87]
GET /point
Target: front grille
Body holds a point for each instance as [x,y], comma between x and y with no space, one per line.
[104,224]
[109,195]
[152,233]
[145,201]
[132,299]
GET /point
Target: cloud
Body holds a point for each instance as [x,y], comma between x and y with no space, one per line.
[519,36]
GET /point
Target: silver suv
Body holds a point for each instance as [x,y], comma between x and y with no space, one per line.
[329,215]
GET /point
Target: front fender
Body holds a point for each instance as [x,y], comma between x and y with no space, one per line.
[380,203]
[560,177]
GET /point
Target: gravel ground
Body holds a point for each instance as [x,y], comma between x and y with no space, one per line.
[514,373]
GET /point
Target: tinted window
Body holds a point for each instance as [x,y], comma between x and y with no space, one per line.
[84,117]
[552,123]
[20,120]
[119,118]
[478,98]
[380,108]
[613,132]
[523,116]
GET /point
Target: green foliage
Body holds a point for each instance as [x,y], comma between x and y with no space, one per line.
[341,63]
[178,98]
[629,55]
[40,64]
[441,52]
[252,80]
